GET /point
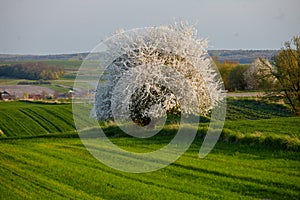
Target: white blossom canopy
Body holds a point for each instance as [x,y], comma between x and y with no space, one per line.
[146,64]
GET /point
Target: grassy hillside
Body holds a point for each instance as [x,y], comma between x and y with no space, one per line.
[55,168]
[284,126]
[42,158]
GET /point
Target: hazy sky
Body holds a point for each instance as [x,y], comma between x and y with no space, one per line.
[67,26]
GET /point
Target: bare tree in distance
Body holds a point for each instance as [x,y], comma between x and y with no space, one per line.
[285,67]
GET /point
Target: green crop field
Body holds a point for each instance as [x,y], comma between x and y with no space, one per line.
[257,157]
[61,168]
[28,119]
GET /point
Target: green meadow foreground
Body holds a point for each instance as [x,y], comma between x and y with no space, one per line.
[257,157]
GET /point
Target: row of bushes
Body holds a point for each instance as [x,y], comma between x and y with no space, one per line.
[269,140]
[34,82]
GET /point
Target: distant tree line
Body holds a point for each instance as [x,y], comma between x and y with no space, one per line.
[238,77]
[32,71]
[232,74]
[242,56]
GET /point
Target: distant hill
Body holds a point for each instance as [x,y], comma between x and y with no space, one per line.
[241,56]
[16,57]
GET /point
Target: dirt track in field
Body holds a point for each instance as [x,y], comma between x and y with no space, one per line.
[19,90]
[245,94]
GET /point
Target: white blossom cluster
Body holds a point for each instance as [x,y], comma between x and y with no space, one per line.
[155,71]
[260,70]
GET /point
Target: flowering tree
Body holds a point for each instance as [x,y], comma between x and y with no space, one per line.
[157,71]
[259,75]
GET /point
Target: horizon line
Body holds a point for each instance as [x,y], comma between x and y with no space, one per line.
[70,53]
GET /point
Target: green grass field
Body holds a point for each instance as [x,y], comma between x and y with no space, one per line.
[41,157]
[61,168]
